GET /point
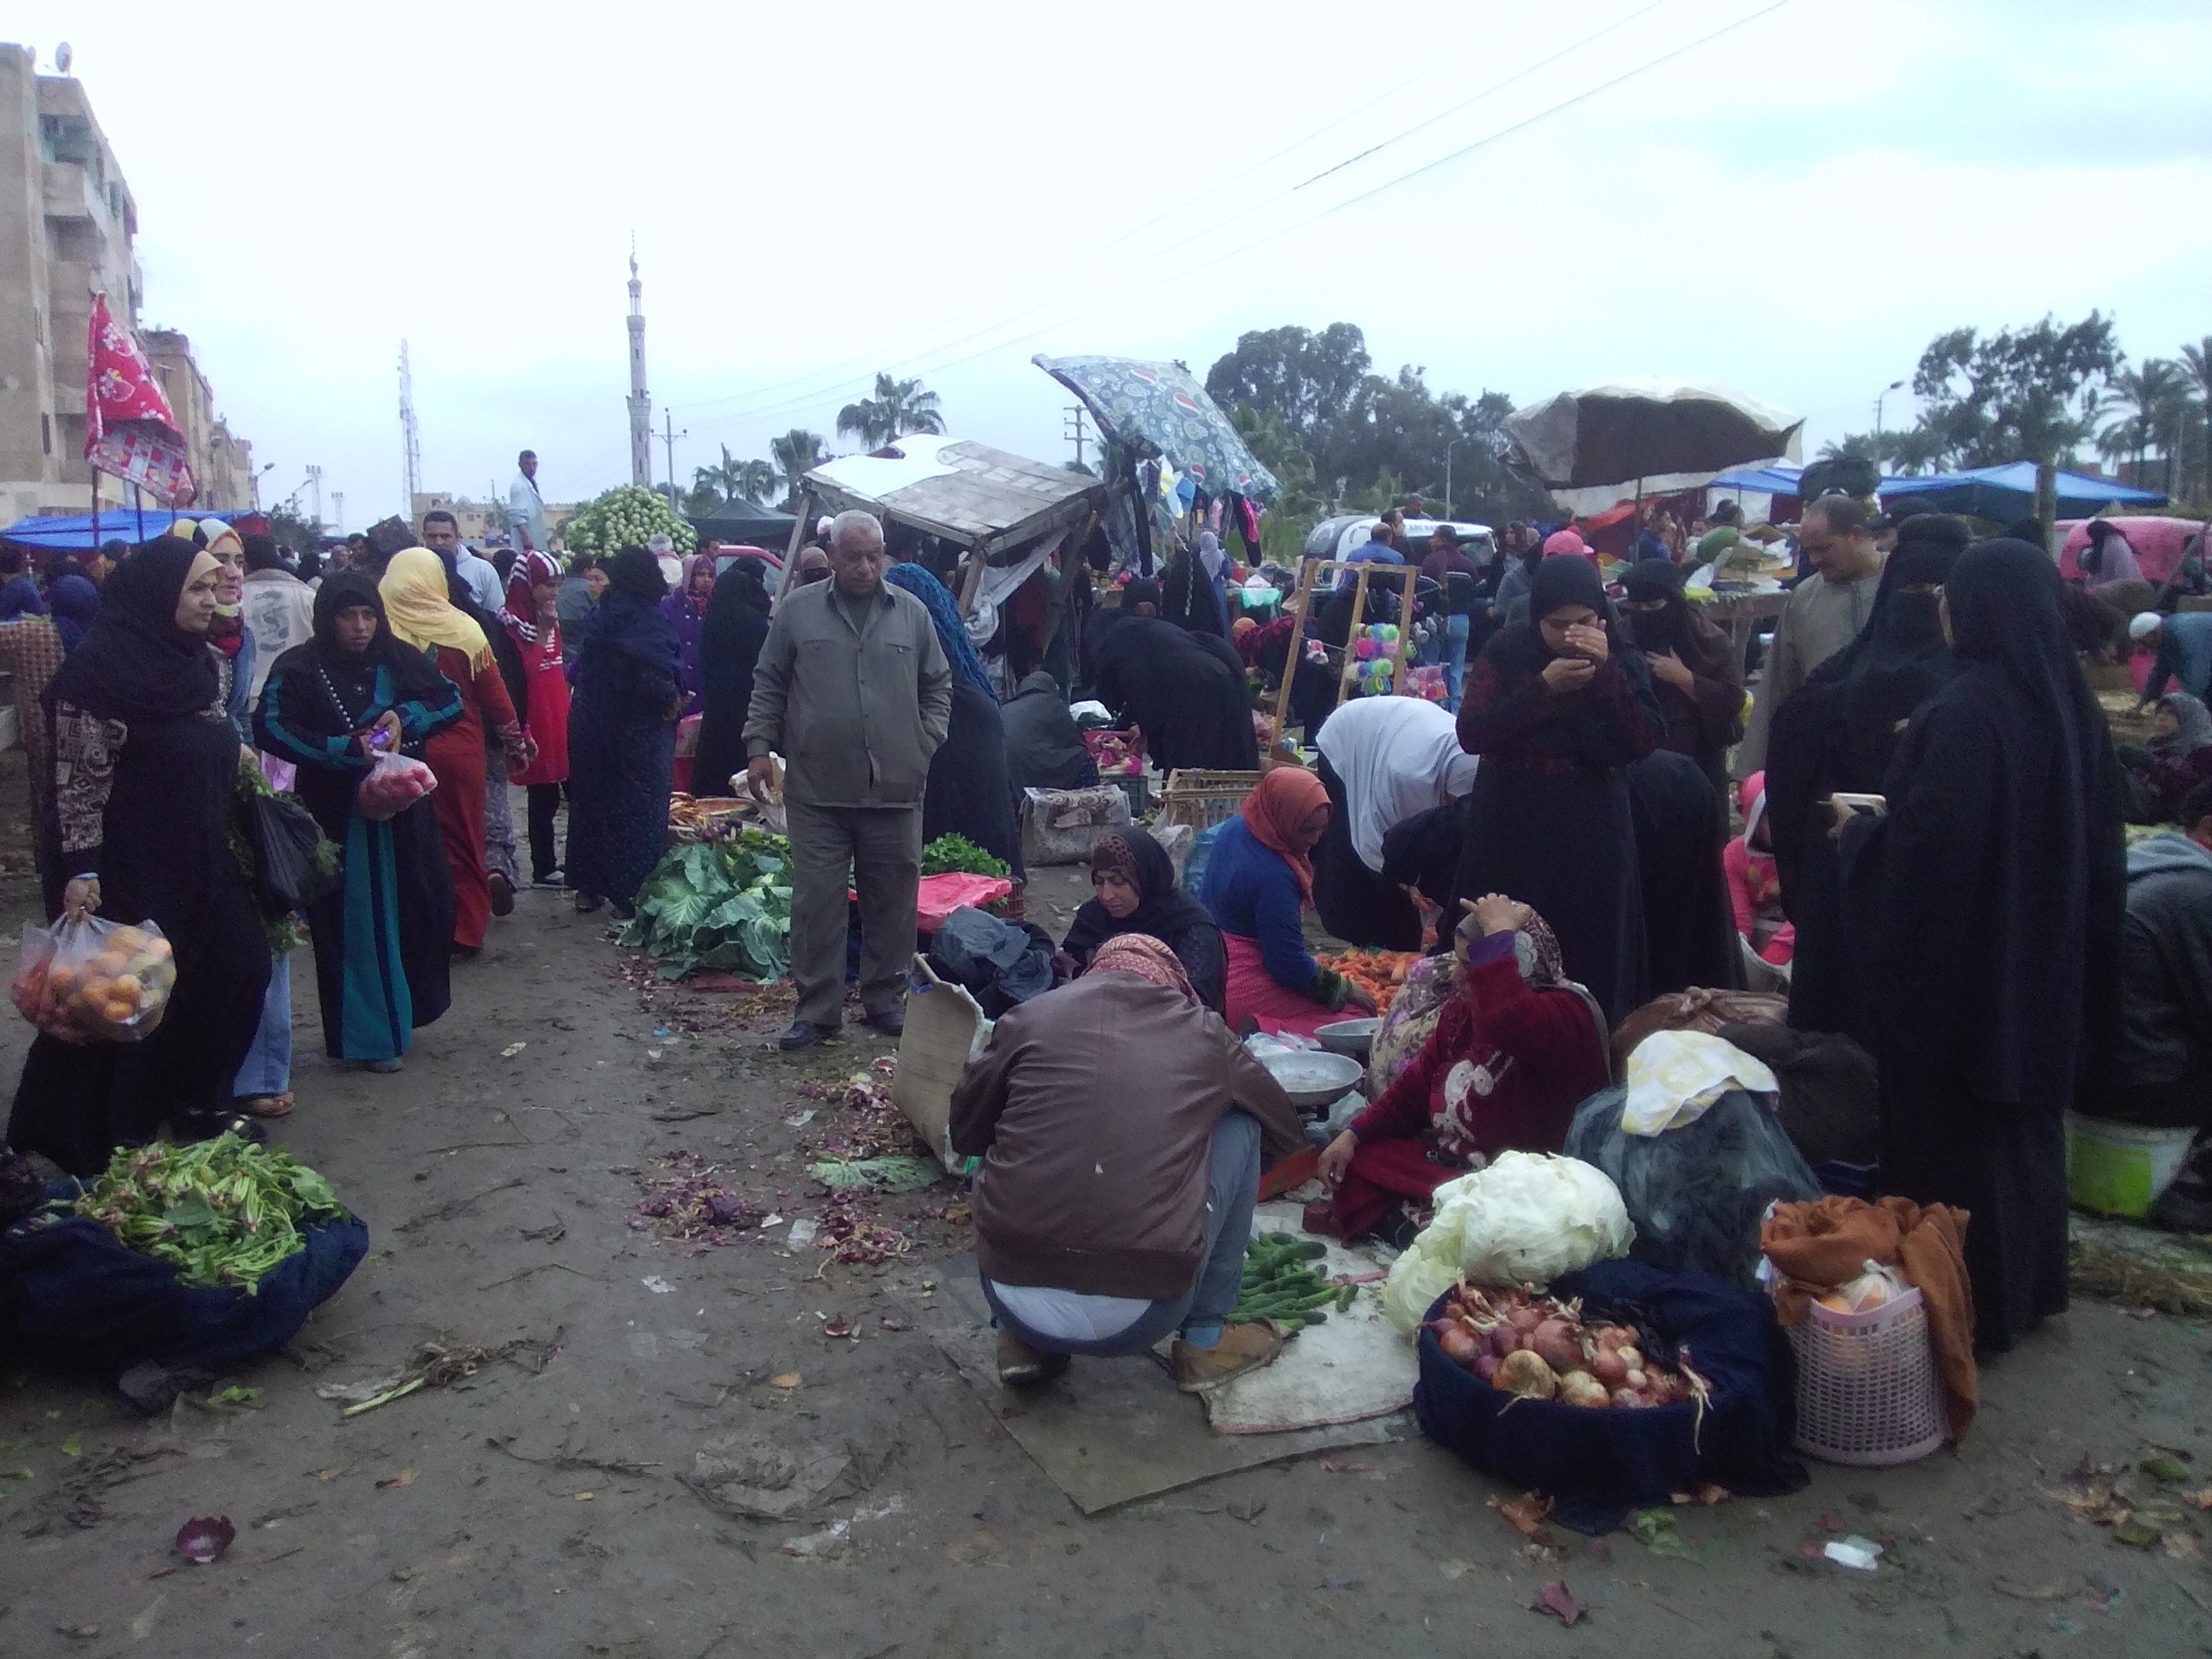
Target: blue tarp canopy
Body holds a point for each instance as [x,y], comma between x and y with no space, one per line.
[2003,494]
[1770,480]
[72,534]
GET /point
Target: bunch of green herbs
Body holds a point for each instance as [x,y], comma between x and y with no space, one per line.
[950,854]
[222,1211]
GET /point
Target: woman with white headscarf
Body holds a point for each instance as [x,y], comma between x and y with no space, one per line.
[1383,761]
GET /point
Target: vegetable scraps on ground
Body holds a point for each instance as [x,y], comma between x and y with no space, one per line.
[723,905]
[222,1211]
[1525,1344]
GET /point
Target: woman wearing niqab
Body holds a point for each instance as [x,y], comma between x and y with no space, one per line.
[1557,715]
[1989,895]
[731,635]
[622,736]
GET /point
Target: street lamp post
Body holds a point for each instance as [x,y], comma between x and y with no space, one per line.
[1880,398]
[1449,447]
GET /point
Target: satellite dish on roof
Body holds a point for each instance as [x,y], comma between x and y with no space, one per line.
[63,57]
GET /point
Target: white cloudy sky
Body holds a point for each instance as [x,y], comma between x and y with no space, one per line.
[1794,206]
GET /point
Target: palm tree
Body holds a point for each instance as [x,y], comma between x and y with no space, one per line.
[899,409]
[753,481]
[798,453]
[2197,359]
[722,479]
[2147,399]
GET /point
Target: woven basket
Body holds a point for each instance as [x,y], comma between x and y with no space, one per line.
[1868,1391]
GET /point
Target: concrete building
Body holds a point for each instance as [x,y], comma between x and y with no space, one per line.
[67,222]
[222,464]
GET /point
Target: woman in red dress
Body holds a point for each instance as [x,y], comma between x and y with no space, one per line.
[413,594]
[530,617]
[1511,1057]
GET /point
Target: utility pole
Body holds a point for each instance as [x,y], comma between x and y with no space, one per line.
[410,439]
[315,484]
[1881,398]
[338,499]
[669,434]
[1072,429]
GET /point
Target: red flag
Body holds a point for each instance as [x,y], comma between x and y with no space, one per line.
[130,431]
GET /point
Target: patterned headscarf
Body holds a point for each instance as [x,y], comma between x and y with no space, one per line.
[1535,948]
[1148,958]
[519,613]
[945,612]
[1112,857]
[1274,812]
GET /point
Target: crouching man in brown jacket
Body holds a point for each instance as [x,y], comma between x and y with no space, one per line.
[1123,1132]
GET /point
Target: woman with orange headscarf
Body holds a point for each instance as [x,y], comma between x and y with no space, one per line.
[1258,885]
[415,602]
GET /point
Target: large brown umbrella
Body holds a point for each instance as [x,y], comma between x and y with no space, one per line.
[1644,435]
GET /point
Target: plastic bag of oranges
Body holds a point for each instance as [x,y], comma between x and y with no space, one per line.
[84,980]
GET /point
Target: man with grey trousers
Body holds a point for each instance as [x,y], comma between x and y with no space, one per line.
[853,691]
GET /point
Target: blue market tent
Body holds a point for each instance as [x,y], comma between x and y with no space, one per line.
[73,533]
[1768,480]
[2003,493]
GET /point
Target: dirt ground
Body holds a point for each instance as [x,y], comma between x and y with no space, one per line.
[539,1507]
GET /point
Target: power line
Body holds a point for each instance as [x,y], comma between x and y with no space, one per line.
[919,361]
[830,378]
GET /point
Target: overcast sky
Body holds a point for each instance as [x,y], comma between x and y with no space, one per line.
[1793,207]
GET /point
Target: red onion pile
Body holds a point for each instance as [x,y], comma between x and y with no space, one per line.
[1522,1343]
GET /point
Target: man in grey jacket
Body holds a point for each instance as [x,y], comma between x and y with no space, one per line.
[2163,1078]
[853,691]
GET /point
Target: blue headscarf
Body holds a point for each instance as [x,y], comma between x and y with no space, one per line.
[75,602]
[945,612]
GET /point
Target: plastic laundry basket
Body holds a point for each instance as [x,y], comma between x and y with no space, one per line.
[1867,1388]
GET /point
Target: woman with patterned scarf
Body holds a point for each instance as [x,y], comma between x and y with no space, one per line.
[530,617]
[1511,1057]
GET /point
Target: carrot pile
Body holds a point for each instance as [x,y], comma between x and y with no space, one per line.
[1381,974]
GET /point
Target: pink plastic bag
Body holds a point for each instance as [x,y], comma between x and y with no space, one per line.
[394,783]
[940,896]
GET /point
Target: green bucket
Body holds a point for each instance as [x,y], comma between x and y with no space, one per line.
[2121,1168]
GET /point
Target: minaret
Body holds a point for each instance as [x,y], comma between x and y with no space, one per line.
[640,400]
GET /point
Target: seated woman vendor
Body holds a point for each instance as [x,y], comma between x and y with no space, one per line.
[1259,883]
[1514,1053]
[1134,882]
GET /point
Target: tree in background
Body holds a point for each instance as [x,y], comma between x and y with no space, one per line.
[293,530]
[2197,359]
[2153,403]
[2028,394]
[1329,428]
[900,409]
[733,480]
[798,453]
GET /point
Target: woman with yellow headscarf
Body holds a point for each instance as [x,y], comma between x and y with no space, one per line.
[415,600]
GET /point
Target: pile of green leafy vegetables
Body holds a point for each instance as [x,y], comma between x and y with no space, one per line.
[722,904]
[950,854]
[222,1211]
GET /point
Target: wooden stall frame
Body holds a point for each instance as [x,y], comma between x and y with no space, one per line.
[1303,601]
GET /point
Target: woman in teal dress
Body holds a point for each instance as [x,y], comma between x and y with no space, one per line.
[382,939]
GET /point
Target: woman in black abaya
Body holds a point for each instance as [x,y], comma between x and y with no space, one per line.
[383,939]
[1135,881]
[144,777]
[1989,896]
[1558,717]
[1688,925]
[1839,731]
[622,736]
[1186,691]
[730,641]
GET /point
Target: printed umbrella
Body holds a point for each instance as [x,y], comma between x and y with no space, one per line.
[1160,409]
[1644,435]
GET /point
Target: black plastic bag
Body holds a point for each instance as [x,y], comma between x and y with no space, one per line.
[290,870]
[1697,1193]
[999,963]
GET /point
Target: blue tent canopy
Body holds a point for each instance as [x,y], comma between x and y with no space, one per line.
[72,533]
[1768,480]
[2003,494]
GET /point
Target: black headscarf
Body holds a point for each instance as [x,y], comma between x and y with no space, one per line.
[733,630]
[1658,631]
[135,663]
[347,684]
[1567,580]
[628,620]
[1164,910]
[2004,880]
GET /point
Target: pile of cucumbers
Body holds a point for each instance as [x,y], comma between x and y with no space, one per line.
[1280,1286]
